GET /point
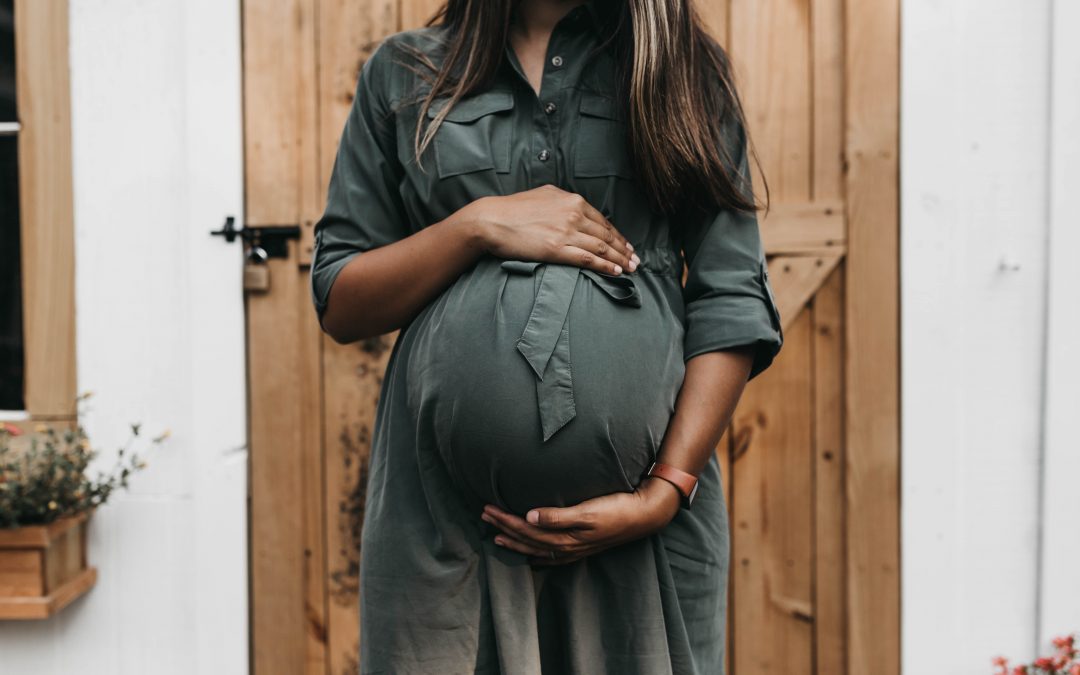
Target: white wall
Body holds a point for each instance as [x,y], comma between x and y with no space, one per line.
[157,163]
[979,79]
[1059,609]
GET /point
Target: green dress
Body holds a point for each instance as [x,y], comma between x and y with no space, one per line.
[531,384]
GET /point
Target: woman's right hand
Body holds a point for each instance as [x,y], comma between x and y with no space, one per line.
[549,224]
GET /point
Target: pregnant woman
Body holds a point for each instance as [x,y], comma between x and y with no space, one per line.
[517,189]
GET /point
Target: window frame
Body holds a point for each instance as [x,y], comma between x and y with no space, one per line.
[46,227]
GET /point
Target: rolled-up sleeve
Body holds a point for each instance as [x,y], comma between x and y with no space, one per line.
[363,207]
[729,302]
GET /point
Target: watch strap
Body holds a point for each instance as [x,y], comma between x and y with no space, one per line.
[685,483]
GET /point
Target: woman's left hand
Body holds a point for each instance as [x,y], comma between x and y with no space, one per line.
[556,536]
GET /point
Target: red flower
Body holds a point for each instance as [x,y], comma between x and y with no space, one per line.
[10,429]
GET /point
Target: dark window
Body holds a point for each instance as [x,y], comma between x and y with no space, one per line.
[11,319]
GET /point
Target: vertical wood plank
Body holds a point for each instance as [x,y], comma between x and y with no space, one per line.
[280,125]
[349,32]
[773,520]
[827,49]
[353,377]
[830,598]
[288,542]
[281,184]
[872,335]
[275,365]
[715,15]
[312,453]
[46,207]
[770,48]
[22,573]
[414,13]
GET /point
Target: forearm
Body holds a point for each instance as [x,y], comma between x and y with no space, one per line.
[712,385]
[711,388]
[381,289]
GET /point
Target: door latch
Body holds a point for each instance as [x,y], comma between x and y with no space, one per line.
[266,241]
[263,243]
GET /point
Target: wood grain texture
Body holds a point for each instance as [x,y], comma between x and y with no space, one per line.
[45,606]
[830,541]
[772,543]
[770,48]
[827,49]
[872,335]
[22,573]
[313,464]
[276,361]
[43,568]
[795,281]
[46,207]
[805,228]
[353,377]
[280,122]
[282,185]
[414,13]
[715,15]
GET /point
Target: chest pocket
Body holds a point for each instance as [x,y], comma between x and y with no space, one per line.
[475,135]
[601,147]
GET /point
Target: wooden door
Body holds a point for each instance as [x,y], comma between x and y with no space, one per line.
[811,460]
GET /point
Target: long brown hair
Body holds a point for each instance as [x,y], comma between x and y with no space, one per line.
[665,62]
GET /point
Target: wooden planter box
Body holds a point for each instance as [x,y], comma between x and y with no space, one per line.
[43,568]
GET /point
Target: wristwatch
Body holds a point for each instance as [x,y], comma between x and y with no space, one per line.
[685,482]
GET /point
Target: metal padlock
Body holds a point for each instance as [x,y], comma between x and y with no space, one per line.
[256,271]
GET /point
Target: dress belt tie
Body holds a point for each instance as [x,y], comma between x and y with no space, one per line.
[545,342]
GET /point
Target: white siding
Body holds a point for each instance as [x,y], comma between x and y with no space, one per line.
[976,149]
[1060,583]
[156,115]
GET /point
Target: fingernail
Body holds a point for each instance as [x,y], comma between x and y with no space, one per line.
[629,246]
[635,258]
[533,517]
[486,518]
[499,541]
[633,265]
[618,269]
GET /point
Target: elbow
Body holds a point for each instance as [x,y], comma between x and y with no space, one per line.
[348,332]
[339,333]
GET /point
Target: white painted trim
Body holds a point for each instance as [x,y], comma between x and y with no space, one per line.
[1060,555]
[974,176]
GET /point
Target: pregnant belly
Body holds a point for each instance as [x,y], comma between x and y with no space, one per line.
[543,384]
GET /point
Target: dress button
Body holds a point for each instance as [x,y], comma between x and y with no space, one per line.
[543,156]
[556,61]
[550,107]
